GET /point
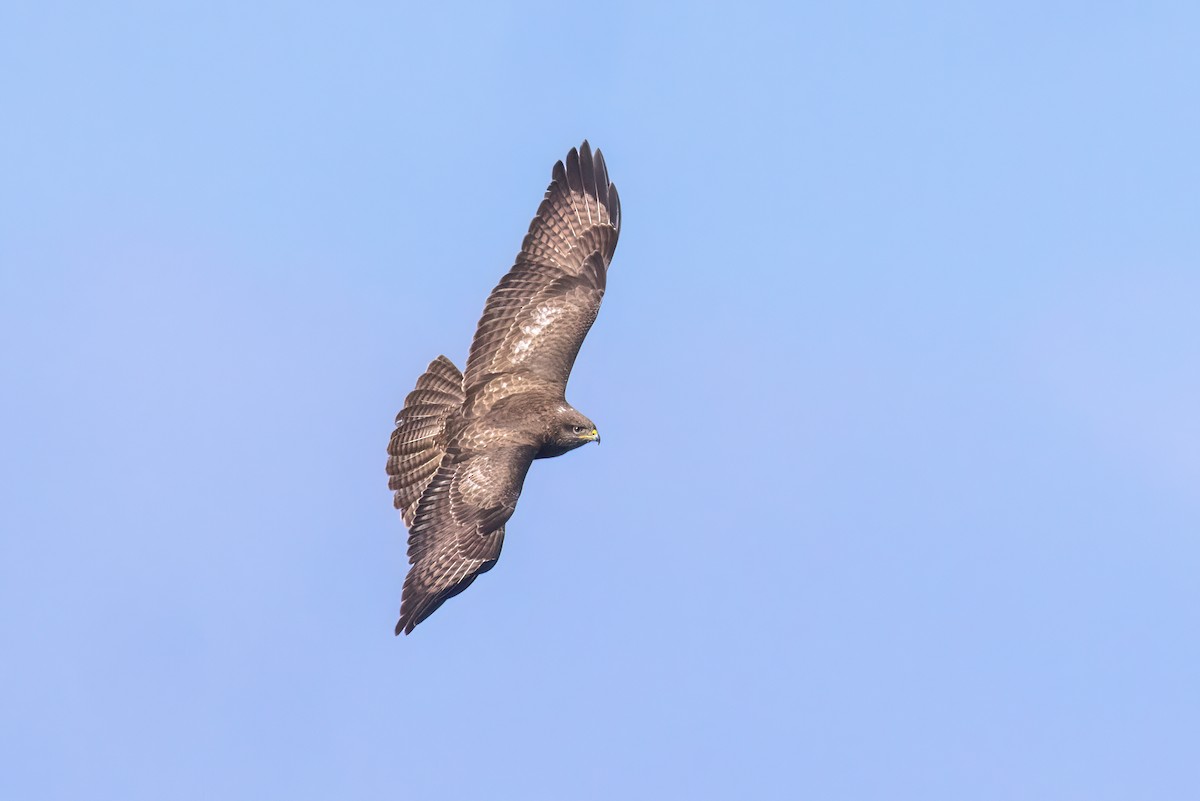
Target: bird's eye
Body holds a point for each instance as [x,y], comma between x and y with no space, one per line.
[577,429]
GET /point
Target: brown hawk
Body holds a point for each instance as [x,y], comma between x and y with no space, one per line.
[463,443]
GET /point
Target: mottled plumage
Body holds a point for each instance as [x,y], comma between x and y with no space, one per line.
[463,443]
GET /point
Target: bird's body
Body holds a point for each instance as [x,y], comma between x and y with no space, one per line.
[463,442]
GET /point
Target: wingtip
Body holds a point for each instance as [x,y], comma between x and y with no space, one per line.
[574,171]
[406,624]
[601,168]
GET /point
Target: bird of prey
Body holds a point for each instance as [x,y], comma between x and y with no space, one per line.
[464,441]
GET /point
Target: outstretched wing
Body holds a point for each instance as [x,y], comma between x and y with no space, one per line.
[458,528]
[537,316]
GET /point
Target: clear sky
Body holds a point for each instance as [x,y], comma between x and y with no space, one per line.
[898,377]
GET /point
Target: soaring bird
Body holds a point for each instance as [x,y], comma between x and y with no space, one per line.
[464,442]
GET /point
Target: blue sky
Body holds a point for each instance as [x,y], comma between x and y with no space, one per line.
[897,378]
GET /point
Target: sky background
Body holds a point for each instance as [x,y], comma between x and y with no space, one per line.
[898,376]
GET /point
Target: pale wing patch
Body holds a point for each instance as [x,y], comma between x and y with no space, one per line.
[477,478]
[543,316]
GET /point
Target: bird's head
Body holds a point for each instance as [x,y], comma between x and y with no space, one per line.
[572,429]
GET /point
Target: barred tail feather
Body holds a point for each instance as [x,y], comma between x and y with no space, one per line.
[419,439]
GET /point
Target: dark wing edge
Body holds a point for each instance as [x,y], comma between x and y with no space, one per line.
[457,531]
[574,232]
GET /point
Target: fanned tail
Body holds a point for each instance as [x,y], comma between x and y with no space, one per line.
[419,439]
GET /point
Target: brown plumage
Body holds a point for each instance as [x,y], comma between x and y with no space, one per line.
[463,443]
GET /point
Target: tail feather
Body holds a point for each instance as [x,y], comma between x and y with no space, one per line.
[419,439]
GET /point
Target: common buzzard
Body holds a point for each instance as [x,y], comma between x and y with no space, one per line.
[463,443]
